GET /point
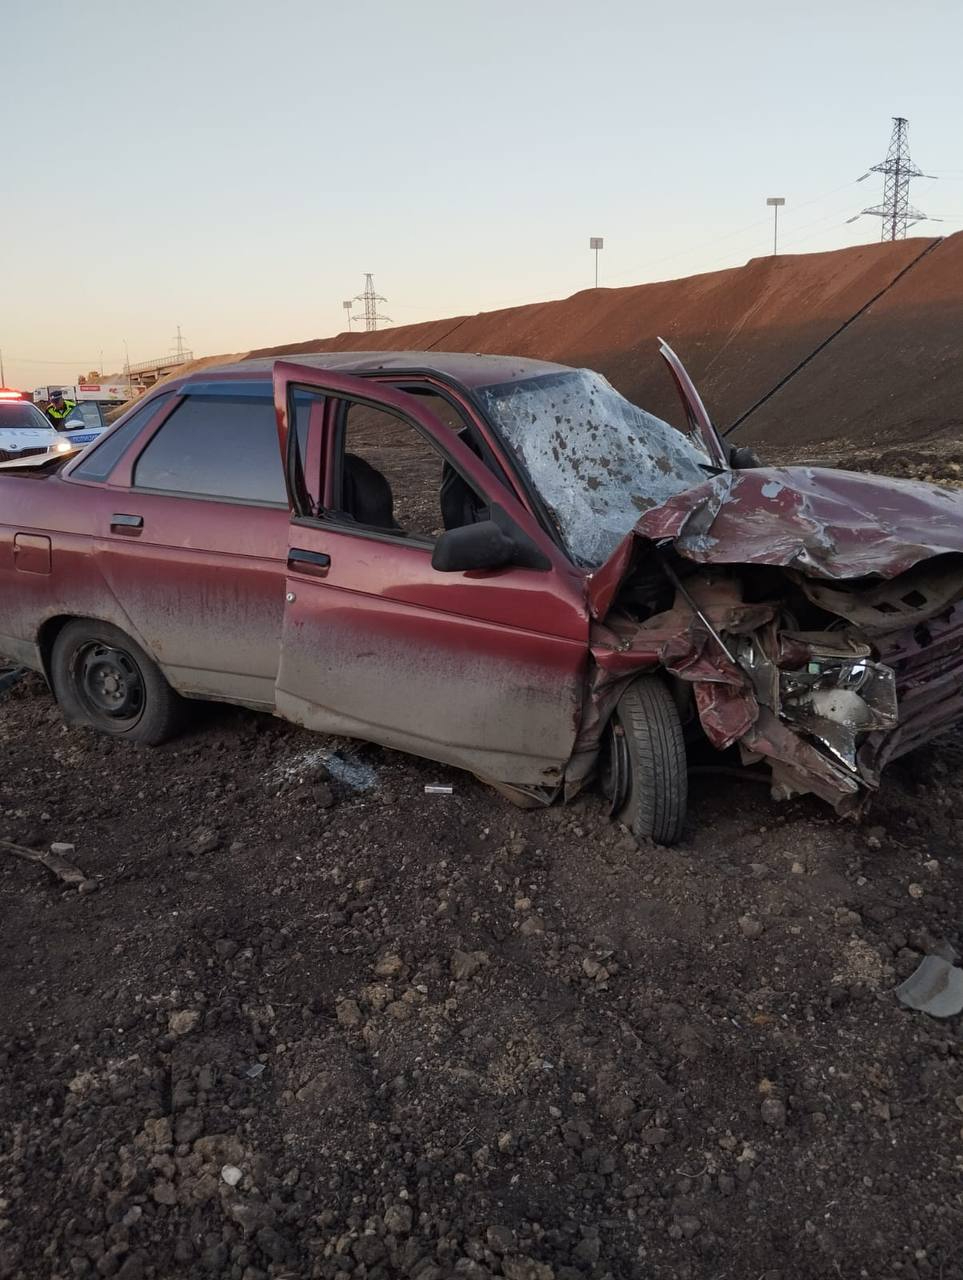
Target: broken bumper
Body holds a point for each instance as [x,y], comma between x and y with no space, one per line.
[928,666]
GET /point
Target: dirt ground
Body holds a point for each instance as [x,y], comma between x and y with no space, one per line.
[314,1022]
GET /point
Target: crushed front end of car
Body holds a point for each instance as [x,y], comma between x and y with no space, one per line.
[813,618]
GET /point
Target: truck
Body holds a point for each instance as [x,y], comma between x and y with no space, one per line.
[105,393]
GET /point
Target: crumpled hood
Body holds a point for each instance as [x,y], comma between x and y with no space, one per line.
[825,523]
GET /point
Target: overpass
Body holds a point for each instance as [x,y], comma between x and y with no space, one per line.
[148,372]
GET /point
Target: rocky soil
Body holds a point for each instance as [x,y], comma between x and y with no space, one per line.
[305,1020]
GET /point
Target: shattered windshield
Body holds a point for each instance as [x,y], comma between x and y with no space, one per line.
[597,461]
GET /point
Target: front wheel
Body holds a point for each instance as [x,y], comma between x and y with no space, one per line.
[104,679]
[644,765]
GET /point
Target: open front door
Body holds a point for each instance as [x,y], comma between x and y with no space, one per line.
[479,669]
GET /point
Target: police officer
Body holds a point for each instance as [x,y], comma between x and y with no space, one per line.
[59,409]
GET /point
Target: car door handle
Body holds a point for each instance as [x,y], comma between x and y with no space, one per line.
[129,525]
[316,562]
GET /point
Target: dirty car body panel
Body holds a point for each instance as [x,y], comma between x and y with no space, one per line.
[810,618]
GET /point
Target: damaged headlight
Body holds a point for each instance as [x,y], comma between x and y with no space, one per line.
[824,684]
[836,702]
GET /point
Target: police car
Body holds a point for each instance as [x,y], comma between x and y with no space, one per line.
[24,430]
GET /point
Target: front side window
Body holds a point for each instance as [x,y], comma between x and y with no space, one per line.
[217,447]
[85,412]
[596,461]
[391,478]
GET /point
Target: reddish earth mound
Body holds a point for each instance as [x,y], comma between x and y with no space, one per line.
[743,330]
[893,378]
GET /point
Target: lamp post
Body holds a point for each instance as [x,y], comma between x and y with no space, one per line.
[775,202]
[596,243]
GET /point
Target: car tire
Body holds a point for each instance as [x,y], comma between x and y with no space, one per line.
[103,679]
[650,788]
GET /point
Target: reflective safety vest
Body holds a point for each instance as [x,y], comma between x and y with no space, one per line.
[58,416]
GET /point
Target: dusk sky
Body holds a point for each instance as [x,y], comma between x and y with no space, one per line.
[235,168]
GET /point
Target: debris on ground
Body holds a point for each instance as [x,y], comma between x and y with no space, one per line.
[934,987]
[9,676]
[54,861]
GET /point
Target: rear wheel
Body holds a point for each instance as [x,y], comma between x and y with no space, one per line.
[644,763]
[104,679]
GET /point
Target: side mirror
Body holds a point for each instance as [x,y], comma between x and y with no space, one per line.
[474,546]
[742,458]
[74,424]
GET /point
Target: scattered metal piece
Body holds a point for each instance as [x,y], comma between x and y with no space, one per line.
[62,869]
[439,790]
[935,987]
[10,675]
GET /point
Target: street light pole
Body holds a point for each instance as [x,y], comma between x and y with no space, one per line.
[596,243]
[775,202]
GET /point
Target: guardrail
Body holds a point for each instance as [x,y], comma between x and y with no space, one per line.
[165,362]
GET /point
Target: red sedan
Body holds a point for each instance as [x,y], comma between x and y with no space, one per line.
[497,563]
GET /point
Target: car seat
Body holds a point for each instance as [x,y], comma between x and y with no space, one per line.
[366,494]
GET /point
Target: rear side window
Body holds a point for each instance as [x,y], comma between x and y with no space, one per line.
[217,447]
[103,457]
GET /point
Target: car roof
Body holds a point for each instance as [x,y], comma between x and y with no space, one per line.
[469,370]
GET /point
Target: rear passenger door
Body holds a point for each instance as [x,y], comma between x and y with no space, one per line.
[196,543]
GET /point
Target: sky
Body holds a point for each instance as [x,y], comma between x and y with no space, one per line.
[235,167]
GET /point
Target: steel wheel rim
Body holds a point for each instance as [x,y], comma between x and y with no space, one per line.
[109,683]
[616,767]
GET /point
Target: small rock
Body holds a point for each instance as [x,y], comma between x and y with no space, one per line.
[225,948]
[203,840]
[398,1219]
[182,1021]
[916,891]
[532,926]
[750,927]
[689,1226]
[349,1015]
[188,1126]
[773,1112]
[588,1250]
[389,966]
[798,869]
[525,1268]
[465,964]
[63,849]
[500,1239]
[164,1193]
[231,1174]
[653,1137]
[88,886]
